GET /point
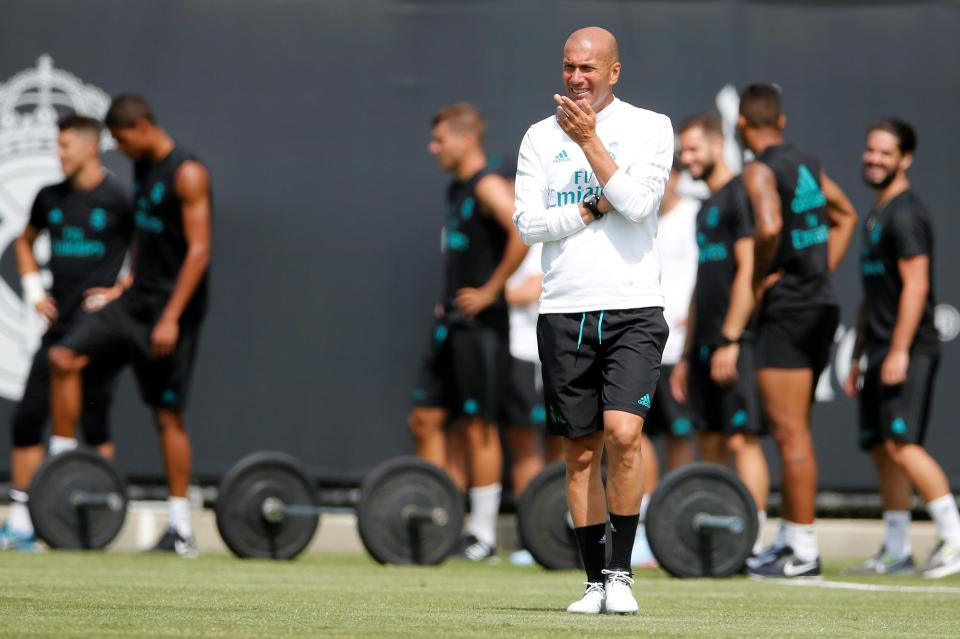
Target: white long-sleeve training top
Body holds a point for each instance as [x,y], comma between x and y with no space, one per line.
[611,263]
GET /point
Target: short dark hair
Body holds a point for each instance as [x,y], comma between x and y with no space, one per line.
[760,105]
[126,110]
[462,118]
[79,123]
[709,123]
[905,134]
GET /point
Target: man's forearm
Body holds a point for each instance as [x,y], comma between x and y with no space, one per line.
[537,224]
[838,241]
[741,305]
[191,273]
[766,252]
[513,255]
[909,313]
[861,333]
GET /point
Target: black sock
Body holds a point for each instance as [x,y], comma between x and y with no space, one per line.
[623,530]
[593,550]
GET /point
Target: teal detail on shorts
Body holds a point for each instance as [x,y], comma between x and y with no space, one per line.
[808,195]
[600,328]
[471,407]
[538,414]
[681,427]
[704,353]
[55,216]
[580,336]
[156,193]
[739,419]
[467,208]
[419,394]
[440,334]
[899,426]
[169,397]
[98,219]
[645,401]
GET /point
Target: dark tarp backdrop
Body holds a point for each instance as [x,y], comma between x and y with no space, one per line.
[314,118]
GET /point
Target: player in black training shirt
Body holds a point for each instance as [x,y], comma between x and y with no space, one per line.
[89,221]
[157,320]
[896,332]
[804,224]
[716,372]
[463,376]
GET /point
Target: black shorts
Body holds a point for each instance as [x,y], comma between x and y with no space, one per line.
[464,371]
[897,412]
[523,397]
[31,414]
[796,337]
[667,416]
[724,409]
[597,361]
[123,330]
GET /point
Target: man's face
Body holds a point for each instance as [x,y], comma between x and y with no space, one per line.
[447,146]
[75,148]
[588,75]
[882,159]
[133,141]
[700,152]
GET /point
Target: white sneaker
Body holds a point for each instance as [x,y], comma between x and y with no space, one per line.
[592,601]
[620,599]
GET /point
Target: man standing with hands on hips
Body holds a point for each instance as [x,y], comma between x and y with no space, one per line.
[589,183]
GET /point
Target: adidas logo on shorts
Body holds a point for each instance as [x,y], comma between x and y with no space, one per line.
[644,401]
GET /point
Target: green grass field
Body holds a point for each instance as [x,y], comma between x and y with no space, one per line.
[57,594]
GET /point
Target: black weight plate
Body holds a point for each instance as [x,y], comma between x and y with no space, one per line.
[543,520]
[57,521]
[686,492]
[240,500]
[389,489]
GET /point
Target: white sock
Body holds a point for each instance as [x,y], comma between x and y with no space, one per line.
[943,511]
[896,537]
[484,508]
[761,520]
[19,521]
[61,444]
[802,538]
[644,502]
[781,539]
[178,509]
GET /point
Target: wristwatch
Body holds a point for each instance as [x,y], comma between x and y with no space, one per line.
[591,202]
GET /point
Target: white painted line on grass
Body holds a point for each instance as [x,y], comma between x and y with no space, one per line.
[849,585]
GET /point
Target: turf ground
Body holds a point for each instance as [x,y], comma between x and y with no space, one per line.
[136,595]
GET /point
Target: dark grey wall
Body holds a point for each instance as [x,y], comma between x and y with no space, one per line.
[313,117]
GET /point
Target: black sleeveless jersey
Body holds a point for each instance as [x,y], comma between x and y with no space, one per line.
[90,232]
[723,219]
[900,229]
[473,247]
[802,254]
[161,242]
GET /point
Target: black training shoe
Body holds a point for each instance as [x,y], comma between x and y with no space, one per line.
[173,541]
[786,565]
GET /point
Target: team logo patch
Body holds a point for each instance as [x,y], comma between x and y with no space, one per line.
[645,401]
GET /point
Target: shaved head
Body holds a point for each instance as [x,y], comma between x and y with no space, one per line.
[597,40]
[591,66]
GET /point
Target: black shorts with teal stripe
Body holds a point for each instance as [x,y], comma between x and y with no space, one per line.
[667,416]
[901,412]
[123,330]
[523,398]
[724,409]
[465,370]
[597,361]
